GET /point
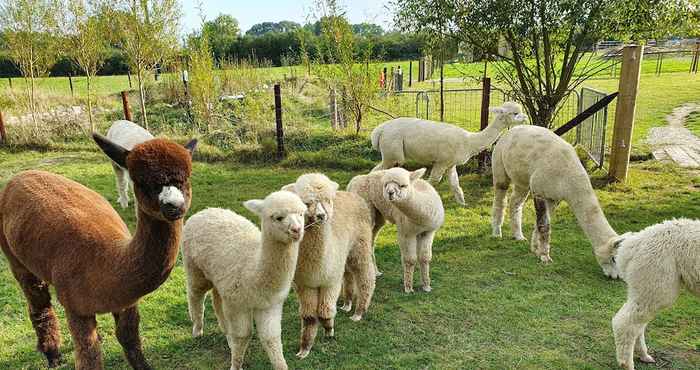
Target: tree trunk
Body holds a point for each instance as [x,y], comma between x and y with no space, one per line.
[144,119]
[89,104]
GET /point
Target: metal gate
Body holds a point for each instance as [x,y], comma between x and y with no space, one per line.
[590,134]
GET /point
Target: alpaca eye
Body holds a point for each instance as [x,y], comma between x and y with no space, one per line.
[403,186]
[279,218]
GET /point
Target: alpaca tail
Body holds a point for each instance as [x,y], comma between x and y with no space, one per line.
[376,136]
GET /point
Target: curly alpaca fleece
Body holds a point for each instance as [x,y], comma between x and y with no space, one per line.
[656,263]
[536,160]
[249,272]
[404,199]
[336,244]
[441,145]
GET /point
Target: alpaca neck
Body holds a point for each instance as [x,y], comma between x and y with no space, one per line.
[591,218]
[151,254]
[483,139]
[417,207]
[276,265]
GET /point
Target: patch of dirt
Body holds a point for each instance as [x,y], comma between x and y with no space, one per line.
[675,142]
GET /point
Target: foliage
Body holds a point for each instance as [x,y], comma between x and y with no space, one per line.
[276,27]
[546,40]
[221,32]
[203,88]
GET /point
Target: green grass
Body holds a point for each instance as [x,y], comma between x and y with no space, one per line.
[693,123]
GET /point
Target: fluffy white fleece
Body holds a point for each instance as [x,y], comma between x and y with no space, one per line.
[403,198]
[656,263]
[337,243]
[536,160]
[249,273]
[127,134]
[441,145]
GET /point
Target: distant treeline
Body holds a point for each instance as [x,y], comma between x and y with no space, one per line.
[278,43]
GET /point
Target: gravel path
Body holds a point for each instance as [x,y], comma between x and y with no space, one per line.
[675,142]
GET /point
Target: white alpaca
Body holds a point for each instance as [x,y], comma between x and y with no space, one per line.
[403,198]
[656,263]
[127,134]
[249,273]
[536,160]
[337,243]
[439,144]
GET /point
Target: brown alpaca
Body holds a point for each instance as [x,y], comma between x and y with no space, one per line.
[57,232]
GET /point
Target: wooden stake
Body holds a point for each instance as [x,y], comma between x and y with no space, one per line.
[125,104]
[3,135]
[278,121]
[485,103]
[9,79]
[624,113]
[70,82]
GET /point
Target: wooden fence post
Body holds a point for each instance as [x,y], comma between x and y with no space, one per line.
[128,74]
[70,82]
[485,103]
[410,73]
[278,121]
[125,104]
[624,112]
[9,79]
[3,135]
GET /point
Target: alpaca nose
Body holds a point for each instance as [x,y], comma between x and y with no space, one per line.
[295,232]
[321,216]
[171,211]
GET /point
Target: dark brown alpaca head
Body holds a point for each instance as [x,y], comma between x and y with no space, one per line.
[160,170]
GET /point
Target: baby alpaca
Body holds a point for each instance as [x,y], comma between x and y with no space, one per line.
[656,263]
[249,272]
[337,242]
[439,144]
[536,160]
[126,134]
[403,198]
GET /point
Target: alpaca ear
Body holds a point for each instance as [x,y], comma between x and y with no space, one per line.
[334,186]
[497,110]
[417,174]
[191,146]
[289,188]
[114,151]
[254,205]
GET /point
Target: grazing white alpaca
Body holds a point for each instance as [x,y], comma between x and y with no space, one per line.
[249,273]
[656,263]
[439,144]
[536,160]
[127,134]
[337,243]
[403,198]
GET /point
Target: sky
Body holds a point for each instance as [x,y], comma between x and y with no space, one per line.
[250,12]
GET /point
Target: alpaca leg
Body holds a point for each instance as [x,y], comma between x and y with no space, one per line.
[127,328]
[409,257]
[379,222]
[269,326]
[218,310]
[517,199]
[348,290]
[364,277]
[499,205]
[308,311]
[540,238]
[83,329]
[239,330]
[197,288]
[627,327]
[327,301]
[42,315]
[437,172]
[454,184]
[642,350]
[122,185]
[425,255]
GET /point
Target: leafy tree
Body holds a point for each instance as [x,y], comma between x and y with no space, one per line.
[221,32]
[85,42]
[547,40]
[148,35]
[29,26]
[263,28]
[367,29]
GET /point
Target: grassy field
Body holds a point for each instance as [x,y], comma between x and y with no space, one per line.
[494,306]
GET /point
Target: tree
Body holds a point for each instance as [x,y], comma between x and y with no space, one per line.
[222,32]
[148,35]
[29,25]
[547,40]
[85,42]
[367,29]
[263,28]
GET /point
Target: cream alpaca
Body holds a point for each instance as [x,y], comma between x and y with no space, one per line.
[536,160]
[126,134]
[439,144]
[656,263]
[402,198]
[337,241]
[249,273]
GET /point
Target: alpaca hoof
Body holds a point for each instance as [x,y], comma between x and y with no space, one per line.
[497,234]
[303,353]
[647,359]
[546,259]
[330,333]
[54,358]
[519,237]
[346,307]
[427,288]
[460,200]
[379,273]
[356,317]
[197,332]
[408,289]
[624,365]
[124,203]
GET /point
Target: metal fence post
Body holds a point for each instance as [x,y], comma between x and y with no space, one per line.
[125,105]
[278,121]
